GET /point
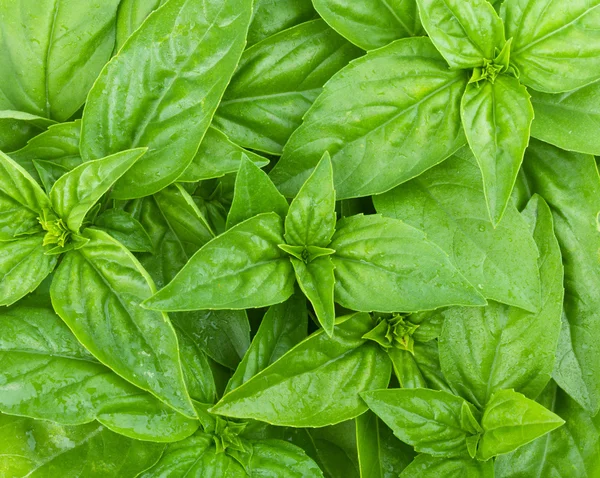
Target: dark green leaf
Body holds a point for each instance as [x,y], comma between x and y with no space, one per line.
[126,229]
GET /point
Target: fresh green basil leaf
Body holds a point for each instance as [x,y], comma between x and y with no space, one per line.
[75,193]
[429,420]
[373,23]
[273,16]
[406,369]
[242,268]
[554,37]
[571,450]
[466,32]
[196,369]
[510,420]
[448,204]
[66,49]
[483,350]
[42,449]
[16,128]
[283,327]
[311,217]
[131,15]
[97,290]
[126,229]
[568,120]
[157,106]
[275,458]
[395,114]
[420,277]
[426,466]
[216,157]
[570,184]
[427,358]
[47,374]
[277,81]
[497,119]
[316,383]
[254,194]
[48,172]
[317,281]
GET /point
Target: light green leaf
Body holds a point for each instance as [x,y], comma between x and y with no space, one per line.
[167,105]
[466,32]
[448,204]
[66,49]
[497,119]
[569,120]
[97,290]
[75,193]
[553,37]
[274,458]
[273,16]
[368,446]
[510,420]
[16,128]
[126,229]
[409,272]
[41,449]
[373,23]
[131,15]
[427,359]
[240,269]
[392,116]
[48,172]
[316,383]
[427,466]
[406,369]
[254,194]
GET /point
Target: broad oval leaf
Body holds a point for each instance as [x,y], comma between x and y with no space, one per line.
[316,383]
[280,458]
[409,272]
[97,291]
[277,81]
[139,101]
[376,118]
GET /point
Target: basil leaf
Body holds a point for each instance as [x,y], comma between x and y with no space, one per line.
[277,81]
[16,128]
[316,383]
[283,326]
[131,15]
[547,37]
[75,193]
[466,32]
[427,359]
[66,49]
[448,204]
[497,119]
[254,194]
[239,269]
[571,185]
[126,229]
[373,23]
[196,369]
[273,16]
[426,466]
[429,420]
[38,449]
[177,94]
[421,277]
[367,441]
[89,294]
[48,172]
[216,157]
[510,420]
[372,158]
[273,458]
[406,369]
[568,120]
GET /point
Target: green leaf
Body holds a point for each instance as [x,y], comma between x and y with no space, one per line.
[66,49]
[283,327]
[317,281]
[448,204]
[426,466]
[389,141]
[570,184]
[311,217]
[316,383]
[510,420]
[254,194]
[131,15]
[466,32]
[75,193]
[568,120]
[16,128]
[427,359]
[483,350]
[554,37]
[167,105]
[277,81]
[216,157]
[279,458]
[273,16]
[409,272]
[46,374]
[373,23]
[368,446]
[48,172]
[40,449]
[97,290]
[126,229]
[426,419]
[242,268]
[406,369]
[196,369]
[497,119]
